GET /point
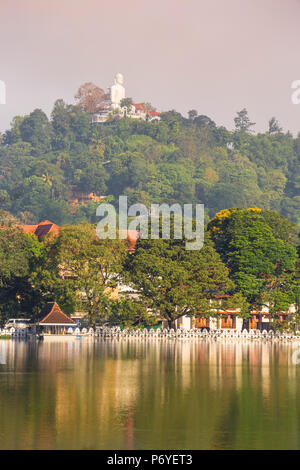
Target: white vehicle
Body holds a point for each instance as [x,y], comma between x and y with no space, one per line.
[17,323]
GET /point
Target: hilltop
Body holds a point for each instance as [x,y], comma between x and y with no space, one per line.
[61,168]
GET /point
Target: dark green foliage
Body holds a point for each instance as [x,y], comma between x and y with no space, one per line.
[255,248]
[177,159]
[174,281]
[20,255]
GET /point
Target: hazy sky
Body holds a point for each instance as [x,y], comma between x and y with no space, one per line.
[216,56]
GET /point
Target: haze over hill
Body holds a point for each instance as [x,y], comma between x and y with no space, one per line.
[215,56]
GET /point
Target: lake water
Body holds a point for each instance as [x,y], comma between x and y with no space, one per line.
[148,394]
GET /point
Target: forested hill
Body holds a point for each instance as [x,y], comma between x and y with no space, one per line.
[45,164]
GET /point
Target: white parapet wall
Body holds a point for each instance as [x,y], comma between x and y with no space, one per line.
[185,322]
[239,324]
[213,323]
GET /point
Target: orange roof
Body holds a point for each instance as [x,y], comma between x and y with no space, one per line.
[46,227]
[41,229]
[28,228]
[55,316]
[46,222]
[268,313]
[139,106]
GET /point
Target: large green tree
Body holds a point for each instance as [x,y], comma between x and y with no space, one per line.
[174,281]
[260,263]
[20,255]
[87,267]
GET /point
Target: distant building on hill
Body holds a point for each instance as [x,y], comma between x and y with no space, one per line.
[46,227]
[112,106]
[79,197]
[41,229]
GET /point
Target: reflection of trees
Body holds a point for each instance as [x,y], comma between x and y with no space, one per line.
[148,394]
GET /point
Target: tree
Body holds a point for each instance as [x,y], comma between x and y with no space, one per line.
[36,130]
[126,102]
[20,255]
[175,282]
[148,106]
[259,263]
[129,313]
[274,127]
[282,228]
[173,160]
[89,267]
[6,218]
[242,121]
[4,197]
[192,114]
[90,97]
[60,118]
[13,135]
[202,121]
[90,174]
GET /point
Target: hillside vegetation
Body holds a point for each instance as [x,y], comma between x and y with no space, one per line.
[45,163]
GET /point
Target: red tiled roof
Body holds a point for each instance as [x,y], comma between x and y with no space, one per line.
[28,228]
[140,107]
[41,229]
[45,227]
[268,313]
[55,316]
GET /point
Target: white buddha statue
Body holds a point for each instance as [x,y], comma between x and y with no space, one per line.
[117,91]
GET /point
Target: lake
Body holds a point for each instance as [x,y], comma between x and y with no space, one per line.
[148,394]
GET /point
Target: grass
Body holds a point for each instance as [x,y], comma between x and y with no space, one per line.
[4,336]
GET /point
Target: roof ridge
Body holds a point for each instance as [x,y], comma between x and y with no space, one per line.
[55,305]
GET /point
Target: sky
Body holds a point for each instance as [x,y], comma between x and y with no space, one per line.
[215,56]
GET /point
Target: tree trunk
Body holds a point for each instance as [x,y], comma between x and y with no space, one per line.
[171,324]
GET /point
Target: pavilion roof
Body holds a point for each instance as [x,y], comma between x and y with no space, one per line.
[55,316]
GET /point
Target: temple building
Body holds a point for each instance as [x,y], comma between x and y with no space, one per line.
[112,106]
[55,321]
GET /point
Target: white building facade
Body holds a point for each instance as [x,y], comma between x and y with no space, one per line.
[112,106]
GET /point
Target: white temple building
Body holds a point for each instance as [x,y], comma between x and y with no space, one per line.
[112,106]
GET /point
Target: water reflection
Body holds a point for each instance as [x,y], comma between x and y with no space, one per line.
[143,394]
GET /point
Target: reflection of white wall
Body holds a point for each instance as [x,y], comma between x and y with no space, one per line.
[2,92]
[2,352]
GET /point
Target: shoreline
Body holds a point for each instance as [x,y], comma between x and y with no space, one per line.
[191,339]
